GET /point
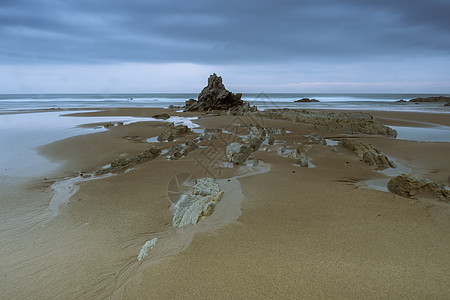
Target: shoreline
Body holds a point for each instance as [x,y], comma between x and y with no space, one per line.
[339,230]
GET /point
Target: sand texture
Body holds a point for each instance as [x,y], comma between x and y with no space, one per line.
[280,231]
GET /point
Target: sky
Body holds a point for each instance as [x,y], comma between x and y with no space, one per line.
[139,46]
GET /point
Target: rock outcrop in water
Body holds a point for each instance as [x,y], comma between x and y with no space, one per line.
[369,154]
[409,186]
[431,99]
[216,97]
[122,164]
[306,100]
[349,122]
[237,153]
[198,202]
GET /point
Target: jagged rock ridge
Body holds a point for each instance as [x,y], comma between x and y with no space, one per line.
[237,153]
[348,122]
[369,154]
[216,97]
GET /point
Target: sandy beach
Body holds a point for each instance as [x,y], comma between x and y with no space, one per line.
[293,233]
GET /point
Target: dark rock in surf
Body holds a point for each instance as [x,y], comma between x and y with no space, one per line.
[306,100]
[431,99]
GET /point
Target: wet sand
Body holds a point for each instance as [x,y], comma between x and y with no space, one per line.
[302,232]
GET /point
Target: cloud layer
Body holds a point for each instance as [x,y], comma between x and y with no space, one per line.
[229,33]
[220,32]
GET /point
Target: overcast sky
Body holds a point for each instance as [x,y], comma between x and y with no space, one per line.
[52,46]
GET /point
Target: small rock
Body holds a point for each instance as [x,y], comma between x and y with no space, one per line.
[162,116]
[315,138]
[408,186]
[255,162]
[237,153]
[173,131]
[302,155]
[276,131]
[147,246]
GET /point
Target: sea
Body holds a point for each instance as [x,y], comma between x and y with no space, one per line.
[384,102]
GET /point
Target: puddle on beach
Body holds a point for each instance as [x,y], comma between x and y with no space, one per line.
[331,142]
[423,134]
[380,184]
[22,133]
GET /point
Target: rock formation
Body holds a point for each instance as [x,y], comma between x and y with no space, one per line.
[122,164]
[172,132]
[348,122]
[315,138]
[431,99]
[181,150]
[162,116]
[306,100]
[408,186]
[370,155]
[237,153]
[196,203]
[276,131]
[302,155]
[216,97]
[111,124]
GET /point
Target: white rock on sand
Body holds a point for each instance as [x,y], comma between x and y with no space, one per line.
[147,247]
[198,202]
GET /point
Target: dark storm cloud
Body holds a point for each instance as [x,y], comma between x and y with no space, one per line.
[205,32]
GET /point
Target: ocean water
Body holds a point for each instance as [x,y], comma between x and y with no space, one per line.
[385,102]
